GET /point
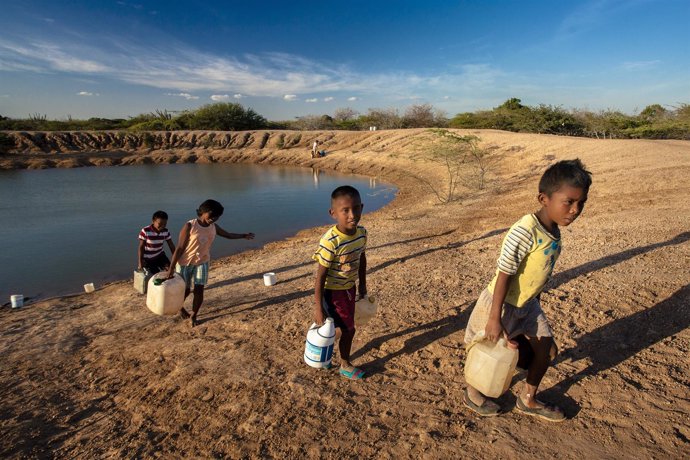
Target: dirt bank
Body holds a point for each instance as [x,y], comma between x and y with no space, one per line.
[99,376]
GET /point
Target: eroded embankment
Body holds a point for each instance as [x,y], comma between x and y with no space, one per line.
[38,150]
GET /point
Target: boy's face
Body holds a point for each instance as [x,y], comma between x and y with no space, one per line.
[159,224]
[564,205]
[347,211]
[207,218]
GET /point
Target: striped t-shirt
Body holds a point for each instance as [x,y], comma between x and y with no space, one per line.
[340,254]
[528,253]
[153,240]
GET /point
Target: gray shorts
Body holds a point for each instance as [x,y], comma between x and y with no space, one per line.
[527,320]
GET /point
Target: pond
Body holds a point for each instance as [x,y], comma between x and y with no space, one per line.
[67,227]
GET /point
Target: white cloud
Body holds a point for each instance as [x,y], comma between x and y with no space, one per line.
[353,98]
[640,65]
[220,97]
[446,98]
[176,66]
[313,99]
[86,93]
[187,96]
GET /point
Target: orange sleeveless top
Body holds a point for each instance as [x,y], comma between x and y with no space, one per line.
[198,249]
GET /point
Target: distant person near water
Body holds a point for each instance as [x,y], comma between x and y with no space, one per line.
[150,255]
[341,261]
[314,148]
[193,254]
[510,304]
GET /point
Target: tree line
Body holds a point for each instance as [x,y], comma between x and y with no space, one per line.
[653,122]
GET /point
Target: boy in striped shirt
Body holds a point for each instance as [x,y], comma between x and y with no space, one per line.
[510,304]
[342,261]
[151,238]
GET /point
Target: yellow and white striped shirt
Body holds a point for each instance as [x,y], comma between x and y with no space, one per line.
[528,253]
[340,253]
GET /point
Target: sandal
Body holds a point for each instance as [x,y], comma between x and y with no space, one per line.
[487,409]
[546,412]
[355,374]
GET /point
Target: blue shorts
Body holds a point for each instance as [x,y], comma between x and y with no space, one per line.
[198,274]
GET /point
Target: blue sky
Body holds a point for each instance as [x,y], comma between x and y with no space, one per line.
[285,59]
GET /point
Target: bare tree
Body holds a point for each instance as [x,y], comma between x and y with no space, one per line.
[345,114]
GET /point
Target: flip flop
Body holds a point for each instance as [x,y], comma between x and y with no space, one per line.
[354,374]
[487,409]
[547,412]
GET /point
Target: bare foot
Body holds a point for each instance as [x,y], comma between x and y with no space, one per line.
[194,321]
[184,313]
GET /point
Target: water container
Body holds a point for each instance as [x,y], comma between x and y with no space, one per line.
[490,366]
[141,280]
[365,309]
[270,279]
[318,350]
[167,297]
[17,300]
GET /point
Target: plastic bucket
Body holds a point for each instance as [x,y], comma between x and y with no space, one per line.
[89,287]
[270,279]
[17,300]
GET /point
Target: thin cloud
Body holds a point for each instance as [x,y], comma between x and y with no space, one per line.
[220,97]
[353,98]
[640,65]
[86,93]
[187,96]
[237,96]
[176,66]
[313,99]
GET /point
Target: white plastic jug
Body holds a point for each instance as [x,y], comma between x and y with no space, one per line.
[365,309]
[167,297]
[17,300]
[318,350]
[141,280]
[490,366]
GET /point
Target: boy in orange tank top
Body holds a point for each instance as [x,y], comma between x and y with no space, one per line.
[193,253]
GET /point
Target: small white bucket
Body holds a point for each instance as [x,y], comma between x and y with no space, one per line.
[270,279]
[89,287]
[17,300]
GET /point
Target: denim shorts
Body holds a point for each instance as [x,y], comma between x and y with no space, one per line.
[193,274]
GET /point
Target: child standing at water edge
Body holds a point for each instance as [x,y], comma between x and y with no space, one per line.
[193,254]
[151,255]
[510,304]
[341,261]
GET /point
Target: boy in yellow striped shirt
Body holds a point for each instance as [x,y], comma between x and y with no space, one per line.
[341,262]
[510,305]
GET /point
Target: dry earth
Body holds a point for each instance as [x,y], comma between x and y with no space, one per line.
[100,376]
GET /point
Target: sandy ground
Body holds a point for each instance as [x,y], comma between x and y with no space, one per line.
[93,376]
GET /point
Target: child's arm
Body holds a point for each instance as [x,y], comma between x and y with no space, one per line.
[140,254]
[321,272]
[171,245]
[362,275]
[494,328]
[181,246]
[233,236]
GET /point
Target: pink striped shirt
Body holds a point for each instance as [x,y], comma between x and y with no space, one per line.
[153,240]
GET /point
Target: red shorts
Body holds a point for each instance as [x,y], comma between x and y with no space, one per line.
[340,305]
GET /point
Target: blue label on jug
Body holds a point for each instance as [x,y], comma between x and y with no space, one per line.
[318,354]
